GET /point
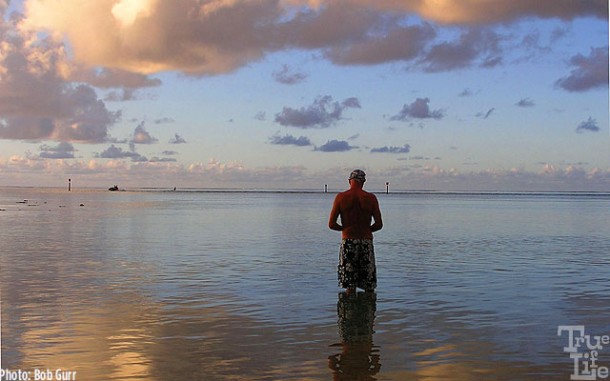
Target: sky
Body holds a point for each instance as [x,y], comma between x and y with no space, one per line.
[452,95]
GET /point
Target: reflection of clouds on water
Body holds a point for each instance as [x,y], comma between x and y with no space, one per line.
[106,341]
[359,358]
[129,335]
[153,286]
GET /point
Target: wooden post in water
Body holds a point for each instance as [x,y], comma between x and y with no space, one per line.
[69,185]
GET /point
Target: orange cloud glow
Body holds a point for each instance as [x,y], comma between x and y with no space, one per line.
[219,36]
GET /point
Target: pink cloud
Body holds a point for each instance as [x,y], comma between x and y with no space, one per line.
[36,102]
[213,37]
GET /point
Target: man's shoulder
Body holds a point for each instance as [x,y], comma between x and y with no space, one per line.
[341,194]
[369,198]
[356,193]
[346,192]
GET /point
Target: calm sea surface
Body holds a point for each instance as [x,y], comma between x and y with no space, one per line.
[242,286]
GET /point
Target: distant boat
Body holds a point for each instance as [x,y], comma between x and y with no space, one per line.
[114,188]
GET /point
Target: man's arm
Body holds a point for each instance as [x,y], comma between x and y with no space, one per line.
[334,215]
[378,224]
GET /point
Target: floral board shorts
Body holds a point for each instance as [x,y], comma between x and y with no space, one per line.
[357,264]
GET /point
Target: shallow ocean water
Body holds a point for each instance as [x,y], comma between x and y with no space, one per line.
[242,286]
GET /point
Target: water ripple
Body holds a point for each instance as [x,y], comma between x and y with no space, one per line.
[164,286]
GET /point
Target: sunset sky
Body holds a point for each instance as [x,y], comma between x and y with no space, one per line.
[425,94]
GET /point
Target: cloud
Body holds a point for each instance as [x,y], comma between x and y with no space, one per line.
[465,93]
[63,150]
[323,113]
[177,139]
[478,12]
[558,33]
[396,44]
[419,109]
[287,77]
[425,176]
[589,72]
[141,136]
[156,159]
[114,152]
[525,102]
[335,146]
[75,115]
[113,78]
[216,167]
[36,102]
[588,125]
[404,149]
[301,141]
[487,114]
[121,96]
[148,36]
[120,43]
[472,44]
[164,120]
[419,157]
[491,62]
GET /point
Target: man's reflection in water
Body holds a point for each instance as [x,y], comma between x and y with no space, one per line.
[359,359]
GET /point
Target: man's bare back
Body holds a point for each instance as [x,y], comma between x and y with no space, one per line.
[357,209]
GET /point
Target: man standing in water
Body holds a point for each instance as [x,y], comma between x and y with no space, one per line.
[357,209]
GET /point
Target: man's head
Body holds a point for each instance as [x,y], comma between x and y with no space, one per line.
[358,175]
